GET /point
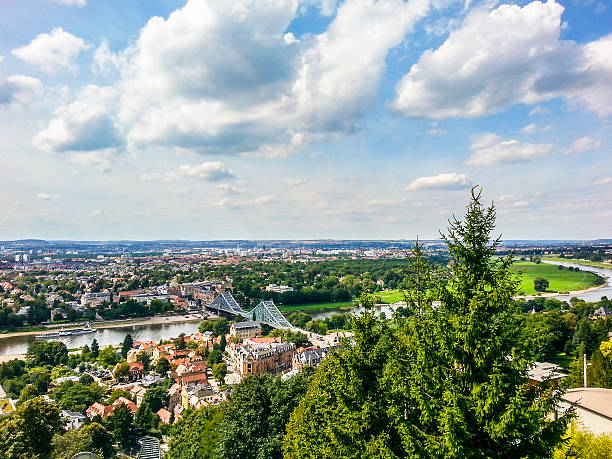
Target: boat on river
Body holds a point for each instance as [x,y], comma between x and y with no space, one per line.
[71,332]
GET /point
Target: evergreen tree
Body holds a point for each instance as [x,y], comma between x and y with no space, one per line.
[450,381]
[127,345]
[121,422]
[95,349]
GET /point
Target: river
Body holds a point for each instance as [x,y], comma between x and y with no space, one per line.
[110,336]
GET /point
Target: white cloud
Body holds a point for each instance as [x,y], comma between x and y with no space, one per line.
[52,52]
[603,181]
[535,129]
[212,171]
[228,188]
[234,204]
[505,56]
[84,125]
[79,3]
[437,131]
[47,196]
[488,149]
[19,89]
[584,144]
[448,181]
[538,110]
[293,181]
[99,161]
[221,77]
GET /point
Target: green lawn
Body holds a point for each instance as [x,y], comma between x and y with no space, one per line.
[561,280]
[315,306]
[390,296]
[596,264]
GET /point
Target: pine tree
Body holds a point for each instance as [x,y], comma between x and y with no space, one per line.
[449,381]
[127,345]
[95,349]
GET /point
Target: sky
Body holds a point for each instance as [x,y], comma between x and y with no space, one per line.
[303,119]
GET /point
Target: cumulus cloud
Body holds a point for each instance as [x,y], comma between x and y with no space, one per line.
[504,56]
[19,89]
[52,52]
[79,3]
[47,196]
[535,129]
[212,171]
[488,149]
[234,204]
[225,78]
[86,124]
[228,188]
[99,160]
[603,181]
[584,144]
[448,181]
[293,181]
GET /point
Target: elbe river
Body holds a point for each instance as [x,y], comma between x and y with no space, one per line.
[19,344]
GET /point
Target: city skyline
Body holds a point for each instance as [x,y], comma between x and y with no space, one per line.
[353,119]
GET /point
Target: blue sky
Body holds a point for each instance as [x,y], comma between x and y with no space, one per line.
[303,118]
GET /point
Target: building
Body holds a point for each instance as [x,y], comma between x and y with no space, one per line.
[95,299]
[73,419]
[258,358]
[603,312]
[310,357]
[136,370]
[245,330]
[544,372]
[278,288]
[97,409]
[593,407]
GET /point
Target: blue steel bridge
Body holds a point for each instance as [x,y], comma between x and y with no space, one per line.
[265,312]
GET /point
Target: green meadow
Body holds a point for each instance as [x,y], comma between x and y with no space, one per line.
[560,280]
[596,264]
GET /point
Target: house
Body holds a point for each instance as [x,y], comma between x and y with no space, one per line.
[593,407]
[244,330]
[7,406]
[162,351]
[174,394]
[164,415]
[257,358]
[310,357]
[138,392]
[544,372]
[197,395]
[136,370]
[191,378]
[73,419]
[97,409]
[603,312]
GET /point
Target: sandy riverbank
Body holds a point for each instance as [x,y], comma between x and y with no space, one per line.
[156,320]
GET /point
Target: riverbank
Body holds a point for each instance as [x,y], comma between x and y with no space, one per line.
[594,264]
[155,320]
[556,294]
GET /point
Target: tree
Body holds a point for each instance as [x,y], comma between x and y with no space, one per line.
[86,379]
[28,432]
[28,392]
[127,345]
[219,371]
[46,353]
[122,425]
[449,381]
[76,397]
[540,284]
[214,357]
[122,371]
[93,438]
[256,415]
[145,359]
[299,319]
[162,366]
[583,444]
[95,349]
[179,342]
[108,357]
[196,435]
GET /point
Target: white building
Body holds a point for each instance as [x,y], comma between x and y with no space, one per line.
[73,420]
[593,407]
[95,298]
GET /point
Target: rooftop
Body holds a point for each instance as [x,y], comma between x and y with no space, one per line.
[594,399]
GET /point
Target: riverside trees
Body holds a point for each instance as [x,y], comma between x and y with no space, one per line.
[449,381]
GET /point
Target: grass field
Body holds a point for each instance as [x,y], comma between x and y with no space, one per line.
[315,306]
[561,280]
[390,296]
[595,264]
